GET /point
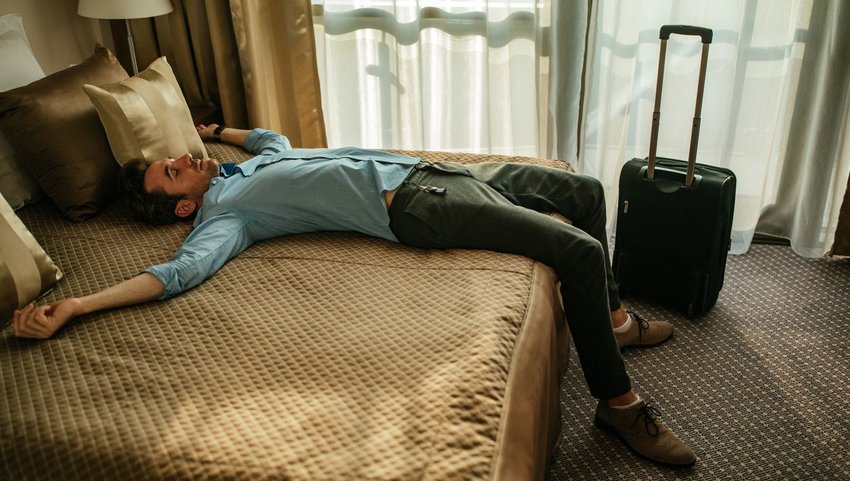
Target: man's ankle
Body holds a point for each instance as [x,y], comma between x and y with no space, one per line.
[623,400]
[619,317]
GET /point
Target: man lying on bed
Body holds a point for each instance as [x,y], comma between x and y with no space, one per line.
[491,206]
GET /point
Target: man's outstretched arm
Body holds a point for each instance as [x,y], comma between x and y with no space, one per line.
[41,322]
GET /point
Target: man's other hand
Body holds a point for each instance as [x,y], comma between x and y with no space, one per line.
[206,131]
[42,321]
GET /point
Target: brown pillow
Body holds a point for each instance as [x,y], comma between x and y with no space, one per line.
[57,134]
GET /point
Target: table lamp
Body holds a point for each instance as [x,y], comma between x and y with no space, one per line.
[124,9]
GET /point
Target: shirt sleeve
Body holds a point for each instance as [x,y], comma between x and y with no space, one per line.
[265,142]
[208,247]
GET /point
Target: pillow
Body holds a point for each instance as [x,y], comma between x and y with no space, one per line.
[19,68]
[146,116]
[25,269]
[16,184]
[56,133]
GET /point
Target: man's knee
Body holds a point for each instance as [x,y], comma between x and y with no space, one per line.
[592,188]
[583,254]
[592,249]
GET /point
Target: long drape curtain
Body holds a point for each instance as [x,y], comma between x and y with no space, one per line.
[806,202]
[255,59]
[576,81]
[775,111]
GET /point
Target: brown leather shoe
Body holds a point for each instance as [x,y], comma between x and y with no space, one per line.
[645,433]
[644,333]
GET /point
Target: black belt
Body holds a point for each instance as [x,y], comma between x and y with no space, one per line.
[447,167]
[414,177]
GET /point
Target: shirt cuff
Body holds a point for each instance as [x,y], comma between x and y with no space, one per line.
[168,277]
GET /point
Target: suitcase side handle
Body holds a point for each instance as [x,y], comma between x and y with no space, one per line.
[666,30]
[706,33]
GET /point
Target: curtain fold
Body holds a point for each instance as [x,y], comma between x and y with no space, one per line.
[567,43]
[255,59]
[804,210]
[278,57]
[841,241]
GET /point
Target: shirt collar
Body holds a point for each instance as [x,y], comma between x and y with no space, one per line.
[227,168]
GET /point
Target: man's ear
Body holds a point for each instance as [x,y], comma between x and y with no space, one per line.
[185,208]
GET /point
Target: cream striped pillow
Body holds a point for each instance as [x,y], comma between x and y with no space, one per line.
[25,269]
[146,116]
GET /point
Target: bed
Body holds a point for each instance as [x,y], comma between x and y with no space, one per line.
[311,357]
[320,356]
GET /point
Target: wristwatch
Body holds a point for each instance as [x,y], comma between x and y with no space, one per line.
[217,133]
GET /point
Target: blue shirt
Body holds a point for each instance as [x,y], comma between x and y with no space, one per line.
[284,191]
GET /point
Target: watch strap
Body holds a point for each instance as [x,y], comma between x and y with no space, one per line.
[217,133]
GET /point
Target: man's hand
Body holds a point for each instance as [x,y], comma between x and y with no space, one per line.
[228,135]
[206,131]
[41,322]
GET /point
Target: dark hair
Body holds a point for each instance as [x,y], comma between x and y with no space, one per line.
[154,207]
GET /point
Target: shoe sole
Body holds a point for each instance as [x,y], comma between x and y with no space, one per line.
[605,427]
[643,346]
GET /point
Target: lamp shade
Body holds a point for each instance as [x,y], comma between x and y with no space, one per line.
[123,9]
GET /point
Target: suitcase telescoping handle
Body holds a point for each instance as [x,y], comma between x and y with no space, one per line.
[706,35]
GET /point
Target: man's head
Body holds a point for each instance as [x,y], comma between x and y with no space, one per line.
[167,190]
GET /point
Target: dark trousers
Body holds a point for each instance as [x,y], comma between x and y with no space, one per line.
[496,206]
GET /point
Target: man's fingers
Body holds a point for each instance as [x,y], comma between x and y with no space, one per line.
[33,330]
[40,314]
[33,333]
[21,316]
[31,322]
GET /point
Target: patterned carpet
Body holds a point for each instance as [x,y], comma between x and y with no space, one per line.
[758,387]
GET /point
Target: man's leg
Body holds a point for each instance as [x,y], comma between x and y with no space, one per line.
[473,215]
[582,200]
[579,198]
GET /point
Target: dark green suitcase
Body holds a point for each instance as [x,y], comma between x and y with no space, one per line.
[674,219]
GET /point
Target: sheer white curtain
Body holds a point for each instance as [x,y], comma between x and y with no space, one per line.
[433,74]
[754,93]
[474,75]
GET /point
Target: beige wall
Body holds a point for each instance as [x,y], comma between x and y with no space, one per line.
[58,36]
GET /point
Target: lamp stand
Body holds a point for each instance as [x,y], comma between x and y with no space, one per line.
[132,46]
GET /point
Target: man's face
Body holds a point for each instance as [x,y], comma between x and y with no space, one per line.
[183,177]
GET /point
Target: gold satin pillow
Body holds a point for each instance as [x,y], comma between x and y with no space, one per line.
[26,271]
[146,116]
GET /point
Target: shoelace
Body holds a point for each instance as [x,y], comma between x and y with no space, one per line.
[648,413]
[643,325]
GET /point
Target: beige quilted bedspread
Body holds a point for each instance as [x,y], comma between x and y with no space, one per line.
[312,357]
